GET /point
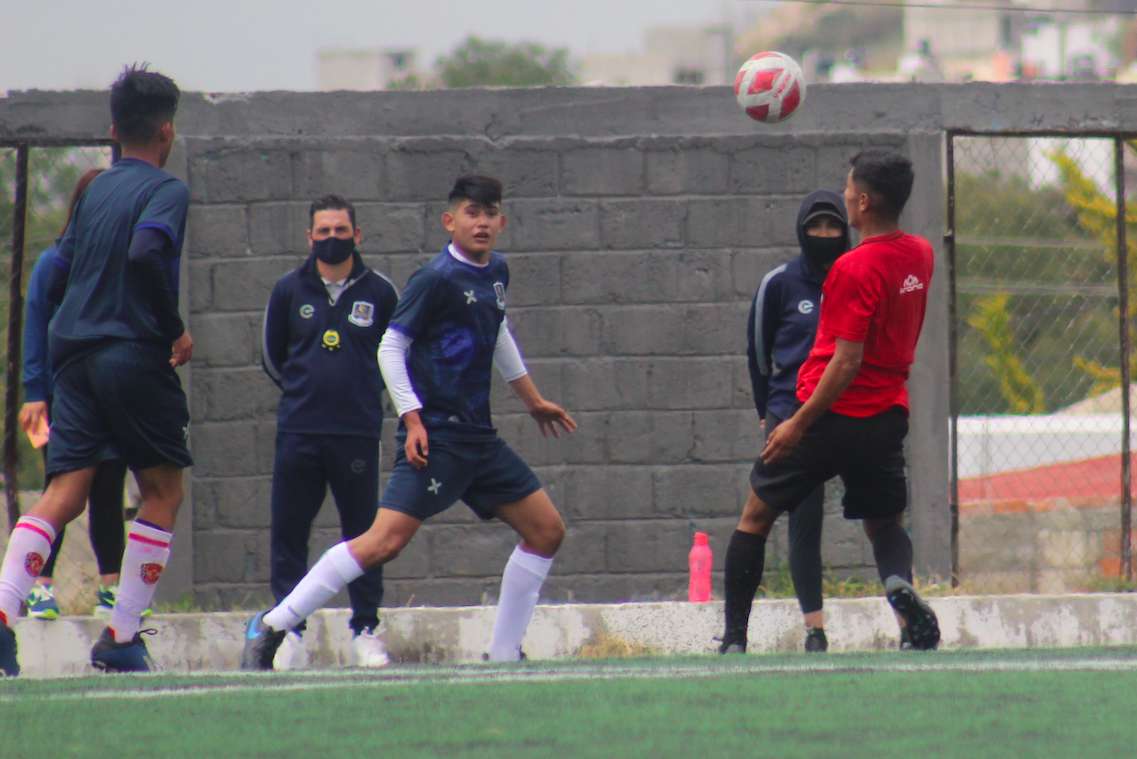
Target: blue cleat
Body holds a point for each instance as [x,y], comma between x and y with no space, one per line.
[261,642]
[111,656]
[8,663]
[41,602]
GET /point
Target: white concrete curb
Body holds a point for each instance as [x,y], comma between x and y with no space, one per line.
[196,642]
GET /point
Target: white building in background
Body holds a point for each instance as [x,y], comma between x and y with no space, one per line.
[368,69]
[670,55]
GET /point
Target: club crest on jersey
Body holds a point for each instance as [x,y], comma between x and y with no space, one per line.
[33,563]
[805,307]
[331,340]
[307,311]
[150,572]
[362,314]
[499,291]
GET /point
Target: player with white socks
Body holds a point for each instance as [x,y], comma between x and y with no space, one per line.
[437,357]
[114,344]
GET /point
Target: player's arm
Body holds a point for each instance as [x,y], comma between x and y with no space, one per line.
[760,329]
[155,248]
[839,373]
[37,314]
[550,417]
[274,336]
[60,268]
[393,350]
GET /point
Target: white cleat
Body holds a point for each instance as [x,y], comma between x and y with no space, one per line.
[292,653]
[369,649]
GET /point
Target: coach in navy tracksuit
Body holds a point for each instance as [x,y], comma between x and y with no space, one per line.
[323,325]
[780,332]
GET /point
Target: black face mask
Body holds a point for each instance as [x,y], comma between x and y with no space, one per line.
[333,250]
[821,252]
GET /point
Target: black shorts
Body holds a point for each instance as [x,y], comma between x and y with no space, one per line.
[866,453]
[122,401]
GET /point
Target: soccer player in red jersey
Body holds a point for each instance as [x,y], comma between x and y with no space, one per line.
[853,416]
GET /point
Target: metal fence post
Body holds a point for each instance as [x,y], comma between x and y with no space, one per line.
[953,365]
[15,334]
[1123,331]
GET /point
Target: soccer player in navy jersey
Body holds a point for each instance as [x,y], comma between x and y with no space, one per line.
[114,344]
[437,356]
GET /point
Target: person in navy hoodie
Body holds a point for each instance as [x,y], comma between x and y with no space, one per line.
[322,329]
[780,332]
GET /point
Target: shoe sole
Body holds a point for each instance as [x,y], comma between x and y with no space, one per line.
[48,615]
[923,626]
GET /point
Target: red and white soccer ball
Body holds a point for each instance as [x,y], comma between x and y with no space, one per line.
[770,87]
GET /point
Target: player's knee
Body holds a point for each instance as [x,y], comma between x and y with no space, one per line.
[546,538]
[373,548]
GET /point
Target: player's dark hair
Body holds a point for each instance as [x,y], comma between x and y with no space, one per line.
[483,190]
[887,175]
[80,188]
[331,203]
[141,101]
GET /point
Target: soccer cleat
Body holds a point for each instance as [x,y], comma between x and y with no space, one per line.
[261,642]
[292,654]
[520,654]
[905,640]
[105,598]
[920,621]
[815,641]
[727,646]
[369,650]
[9,665]
[41,602]
[111,656]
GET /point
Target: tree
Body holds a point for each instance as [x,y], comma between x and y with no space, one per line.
[489,63]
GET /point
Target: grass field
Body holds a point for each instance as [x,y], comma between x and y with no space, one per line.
[1058,703]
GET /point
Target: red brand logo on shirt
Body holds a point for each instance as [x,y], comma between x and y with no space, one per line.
[33,564]
[150,573]
[911,284]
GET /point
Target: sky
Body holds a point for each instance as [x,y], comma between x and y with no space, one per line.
[243,45]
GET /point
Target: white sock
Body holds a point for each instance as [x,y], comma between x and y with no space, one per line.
[146,554]
[29,545]
[521,583]
[331,574]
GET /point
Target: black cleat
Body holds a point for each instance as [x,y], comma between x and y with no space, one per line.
[112,656]
[9,665]
[728,646]
[905,640]
[815,641]
[261,642]
[921,624]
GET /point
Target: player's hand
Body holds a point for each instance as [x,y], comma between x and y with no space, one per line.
[782,440]
[417,446]
[182,351]
[551,418]
[31,413]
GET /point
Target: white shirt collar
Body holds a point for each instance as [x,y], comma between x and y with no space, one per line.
[454,251]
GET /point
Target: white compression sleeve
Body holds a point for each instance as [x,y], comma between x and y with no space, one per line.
[392,353]
[507,356]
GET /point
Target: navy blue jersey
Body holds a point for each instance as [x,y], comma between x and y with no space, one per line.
[323,355]
[109,297]
[453,311]
[783,322]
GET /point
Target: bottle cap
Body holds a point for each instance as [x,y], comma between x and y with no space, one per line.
[701,539]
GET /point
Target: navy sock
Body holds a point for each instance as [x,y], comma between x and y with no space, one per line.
[745,557]
[892,549]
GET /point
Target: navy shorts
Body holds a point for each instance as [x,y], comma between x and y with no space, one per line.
[485,475]
[121,400]
[866,453]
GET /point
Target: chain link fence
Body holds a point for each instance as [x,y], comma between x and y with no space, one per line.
[36,184]
[1040,415]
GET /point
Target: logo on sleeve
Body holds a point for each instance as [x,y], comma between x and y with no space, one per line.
[307,311]
[805,307]
[911,284]
[362,314]
[499,291]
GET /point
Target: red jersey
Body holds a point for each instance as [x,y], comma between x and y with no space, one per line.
[875,294]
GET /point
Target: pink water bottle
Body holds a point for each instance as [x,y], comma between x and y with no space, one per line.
[699,564]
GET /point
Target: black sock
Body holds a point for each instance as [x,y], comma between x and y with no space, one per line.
[745,557]
[892,549]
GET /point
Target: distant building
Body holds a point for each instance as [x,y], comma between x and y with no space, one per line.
[369,69]
[671,55]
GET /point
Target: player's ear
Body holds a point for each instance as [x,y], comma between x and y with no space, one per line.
[358,236]
[308,235]
[501,222]
[113,132]
[448,220]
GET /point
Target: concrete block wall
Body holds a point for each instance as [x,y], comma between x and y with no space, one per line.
[633,263]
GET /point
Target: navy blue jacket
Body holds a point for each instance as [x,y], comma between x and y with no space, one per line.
[38,310]
[783,320]
[324,356]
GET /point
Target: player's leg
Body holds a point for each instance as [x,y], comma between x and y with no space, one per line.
[353,473]
[745,560]
[298,488]
[105,529]
[41,601]
[805,566]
